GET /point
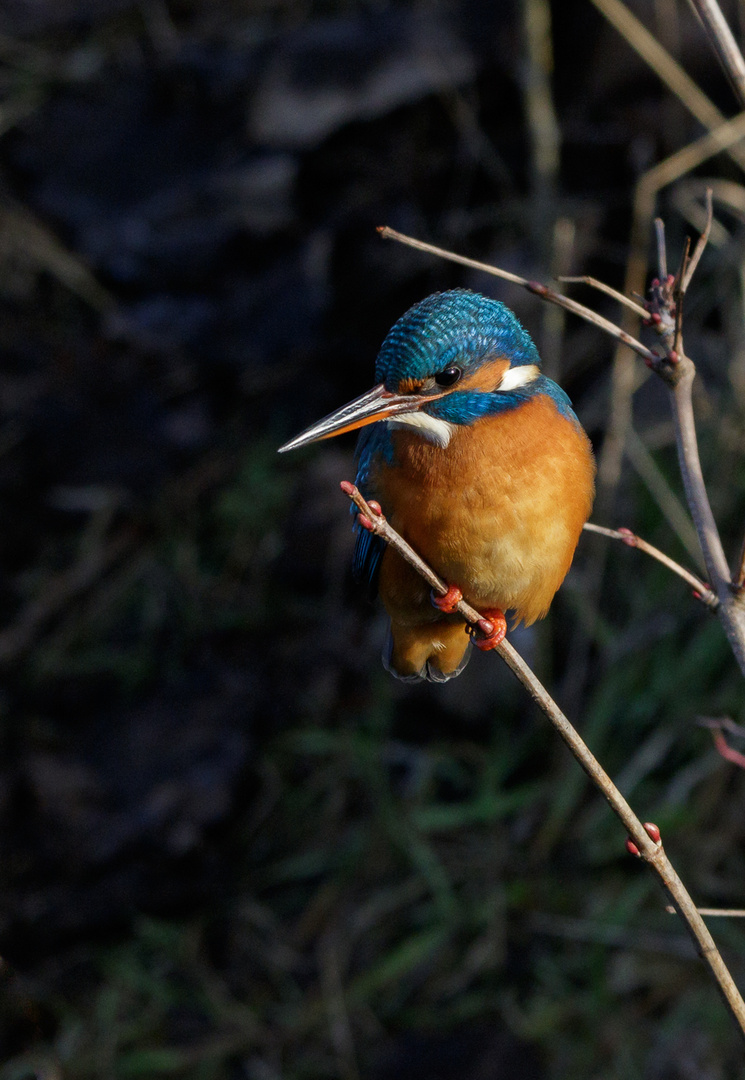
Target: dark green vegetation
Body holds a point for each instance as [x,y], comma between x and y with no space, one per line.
[232,847]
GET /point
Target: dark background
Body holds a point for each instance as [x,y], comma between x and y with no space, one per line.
[232,846]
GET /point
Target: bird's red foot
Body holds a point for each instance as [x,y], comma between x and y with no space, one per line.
[490,630]
[449,602]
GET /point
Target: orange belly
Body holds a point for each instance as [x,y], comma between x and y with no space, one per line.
[497,512]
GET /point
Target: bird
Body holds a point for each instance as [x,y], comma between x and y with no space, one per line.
[480,463]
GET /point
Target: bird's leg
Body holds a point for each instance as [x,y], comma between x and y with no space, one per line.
[487,633]
[449,602]
[489,630]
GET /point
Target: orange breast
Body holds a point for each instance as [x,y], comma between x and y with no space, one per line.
[497,512]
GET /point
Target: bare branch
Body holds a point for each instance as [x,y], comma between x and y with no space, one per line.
[722,723]
[702,242]
[674,511]
[731,610]
[659,228]
[584,279]
[717,726]
[714,912]
[701,590]
[532,286]
[678,294]
[723,43]
[728,752]
[649,849]
[666,68]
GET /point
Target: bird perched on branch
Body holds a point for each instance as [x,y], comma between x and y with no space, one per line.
[479,462]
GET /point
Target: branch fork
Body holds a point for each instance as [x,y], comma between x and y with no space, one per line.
[664,308]
[643,840]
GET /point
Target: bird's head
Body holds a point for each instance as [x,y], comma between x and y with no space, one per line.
[447,361]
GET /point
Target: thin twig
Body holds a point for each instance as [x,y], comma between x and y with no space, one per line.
[723,43]
[701,590]
[714,912]
[678,373]
[722,723]
[659,228]
[532,286]
[671,507]
[718,726]
[728,752]
[701,243]
[666,68]
[678,294]
[542,124]
[650,850]
[584,279]
[731,610]
[625,379]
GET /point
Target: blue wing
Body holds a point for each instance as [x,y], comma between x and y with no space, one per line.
[374,445]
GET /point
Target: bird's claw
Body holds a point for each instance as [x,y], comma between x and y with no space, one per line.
[489,631]
[449,602]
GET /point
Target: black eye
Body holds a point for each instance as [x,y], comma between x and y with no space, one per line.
[449,376]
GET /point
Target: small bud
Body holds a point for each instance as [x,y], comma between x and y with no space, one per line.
[365,522]
[628,537]
[538,288]
[655,283]
[656,318]
[673,356]
[632,848]
[652,831]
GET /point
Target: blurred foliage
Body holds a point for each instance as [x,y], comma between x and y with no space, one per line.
[234,846]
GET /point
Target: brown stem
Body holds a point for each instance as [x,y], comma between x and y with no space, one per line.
[731,608]
[585,279]
[723,43]
[736,757]
[536,287]
[700,589]
[701,243]
[651,851]
[716,912]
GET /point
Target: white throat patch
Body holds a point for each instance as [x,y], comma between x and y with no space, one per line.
[519,376]
[439,431]
[431,428]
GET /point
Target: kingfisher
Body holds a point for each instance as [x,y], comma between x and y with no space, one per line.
[479,463]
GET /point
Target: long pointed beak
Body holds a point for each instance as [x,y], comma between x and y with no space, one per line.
[376,404]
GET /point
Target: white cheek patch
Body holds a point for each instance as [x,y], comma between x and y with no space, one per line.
[519,376]
[431,428]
